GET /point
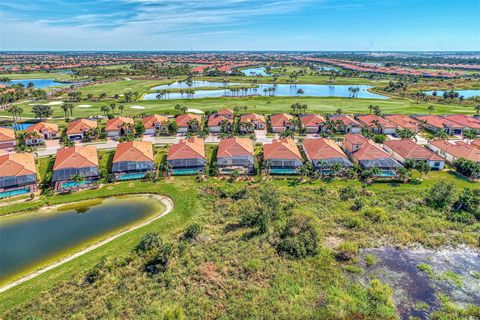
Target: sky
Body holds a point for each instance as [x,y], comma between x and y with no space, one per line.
[299,25]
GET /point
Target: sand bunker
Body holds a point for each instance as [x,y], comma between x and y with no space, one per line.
[137,107]
[84,106]
[195,111]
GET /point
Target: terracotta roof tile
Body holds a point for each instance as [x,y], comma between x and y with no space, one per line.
[403,121]
[346,120]
[7,134]
[76,157]
[234,147]
[216,120]
[280,119]
[438,122]
[458,149]
[117,123]
[312,120]
[370,119]
[80,125]
[285,148]
[187,149]
[134,151]
[252,117]
[408,149]
[17,164]
[40,127]
[150,121]
[183,119]
[322,149]
[464,121]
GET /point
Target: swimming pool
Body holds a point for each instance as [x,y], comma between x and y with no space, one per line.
[75,184]
[186,171]
[283,171]
[12,193]
[131,176]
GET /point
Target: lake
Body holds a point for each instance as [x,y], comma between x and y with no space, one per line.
[252,72]
[281,90]
[464,93]
[38,83]
[28,239]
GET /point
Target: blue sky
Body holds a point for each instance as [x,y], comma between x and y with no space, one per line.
[240,25]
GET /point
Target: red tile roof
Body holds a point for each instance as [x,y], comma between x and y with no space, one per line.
[81,125]
[183,119]
[17,164]
[150,121]
[438,122]
[117,123]
[7,134]
[187,149]
[280,119]
[40,127]
[312,120]
[322,149]
[225,112]
[76,157]
[403,121]
[134,151]
[252,117]
[216,120]
[355,138]
[458,149]
[370,119]
[285,148]
[235,147]
[346,120]
[408,149]
[464,121]
[368,149]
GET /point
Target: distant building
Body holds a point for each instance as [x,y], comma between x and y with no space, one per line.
[18,174]
[235,154]
[215,122]
[42,131]
[188,122]
[7,138]
[346,124]
[257,120]
[132,160]
[377,124]
[71,162]
[452,151]
[227,113]
[312,123]
[403,150]
[402,121]
[324,153]
[119,126]
[187,156]
[467,122]
[78,129]
[282,156]
[281,122]
[154,123]
[436,123]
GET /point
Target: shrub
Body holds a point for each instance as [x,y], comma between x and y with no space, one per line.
[370,260]
[298,239]
[440,196]
[461,216]
[353,223]
[375,214]
[348,192]
[358,204]
[469,201]
[161,261]
[347,251]
[467,167]
[192,232]
[148,242]
[98,271]
[379,293]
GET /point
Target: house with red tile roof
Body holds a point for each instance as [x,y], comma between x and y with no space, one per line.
[235,155]
[312,123]
[406,149]
[376,124]
[257,121]
[475,143]
[71,162]
[41,131]
[435,123]
[153,123]
[324,153]
[281,122]
[452,151]
[7,138]
[217,123]
[227,113]
[467,122]
[119,126]
[369,155]
[188,122]
[187,156]
[282,156]
[345,123]
[77,129]
[132,160]
[403,121]
[18,174]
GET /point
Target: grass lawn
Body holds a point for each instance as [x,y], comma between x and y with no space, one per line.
[41,75]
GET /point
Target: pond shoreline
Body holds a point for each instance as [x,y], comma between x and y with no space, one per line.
[166,201]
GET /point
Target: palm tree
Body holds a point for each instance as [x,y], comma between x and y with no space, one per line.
[335,168]
[113,106]
[65,109]
[300,92]
[477,109]
[431,109]
[370,107]
[71,107]
[121,107]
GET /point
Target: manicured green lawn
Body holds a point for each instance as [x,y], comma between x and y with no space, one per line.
[41,75]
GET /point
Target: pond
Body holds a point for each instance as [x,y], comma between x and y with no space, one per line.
[38,83]
[28,239]
[252,72]
[418,276]
[323,67]
[280,90]
[464,93]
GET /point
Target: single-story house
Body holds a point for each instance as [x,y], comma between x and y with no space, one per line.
[73,162]
[132,160]
[282,156]
[475,143]
[452,151]
[187,156]
[368,155]
[18,174]
[323,153]
[281,122]
[312,123]
[153,123]
[77,129]
[376,124]
[435,123]
[467,122]
[235,154]
[257,120]
[406,149]
[42,131]
[402,121]
[346,123]
[188,122]
[7,138]
[119,126]
[215,122]
[227,113]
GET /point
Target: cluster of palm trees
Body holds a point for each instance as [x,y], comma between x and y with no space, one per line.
[16,112]
[189,92]
[375,109]
[353,92]
[298,108]
[270,91]
[106,109]
[68,108]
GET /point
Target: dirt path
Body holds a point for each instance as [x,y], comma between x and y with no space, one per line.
[167,202]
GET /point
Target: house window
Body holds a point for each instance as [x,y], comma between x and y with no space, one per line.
[436,164]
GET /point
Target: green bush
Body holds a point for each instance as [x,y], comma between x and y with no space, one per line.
[375,214]
[298,239]
[161,261]
[347,251]
[441,195]
[192,232]
[148,242]
[348,192]
[353,223]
